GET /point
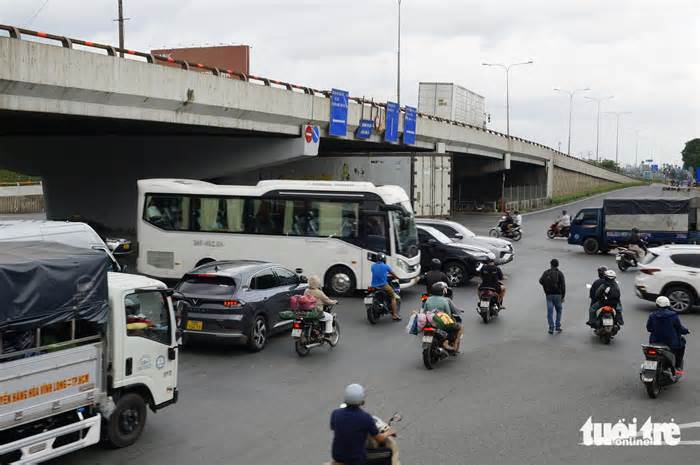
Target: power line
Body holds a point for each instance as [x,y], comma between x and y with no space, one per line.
[36,13]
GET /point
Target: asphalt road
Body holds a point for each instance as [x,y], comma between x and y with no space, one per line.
[517,395]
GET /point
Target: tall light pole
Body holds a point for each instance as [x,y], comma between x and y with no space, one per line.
[636,147]
[398,61]
[597,131]
[507,68]
[120,20]
[618,115]
[570,93]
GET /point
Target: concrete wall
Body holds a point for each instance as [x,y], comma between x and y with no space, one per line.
[571,182]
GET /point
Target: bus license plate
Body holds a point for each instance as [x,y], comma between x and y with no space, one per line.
[649,365]
[369,299]
[607,321]
[194,325]
[296,332]
[428,339]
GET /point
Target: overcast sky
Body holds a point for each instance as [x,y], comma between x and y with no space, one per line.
[644,52]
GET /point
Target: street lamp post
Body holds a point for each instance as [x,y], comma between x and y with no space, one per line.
[398,61]
[618,115]
[597,131]
[570,93]
[636,147]
[507,69]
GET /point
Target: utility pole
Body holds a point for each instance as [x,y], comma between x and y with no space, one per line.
[570,93]
[121,20]
[398,61]
[597,131]
[618,115]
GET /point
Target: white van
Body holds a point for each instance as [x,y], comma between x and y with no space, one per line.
[64,232]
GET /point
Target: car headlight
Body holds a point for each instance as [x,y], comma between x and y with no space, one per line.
[403,265]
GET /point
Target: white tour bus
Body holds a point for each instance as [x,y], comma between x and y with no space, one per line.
[327,228]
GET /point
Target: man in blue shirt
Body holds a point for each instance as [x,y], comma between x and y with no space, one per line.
[351,426]
[380,280]
[665,328]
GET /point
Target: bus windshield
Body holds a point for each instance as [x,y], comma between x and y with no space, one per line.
[405,233]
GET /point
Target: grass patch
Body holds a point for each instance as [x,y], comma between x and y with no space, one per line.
[598,190]
[7,176]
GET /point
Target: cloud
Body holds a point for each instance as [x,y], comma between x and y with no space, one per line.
[644,52]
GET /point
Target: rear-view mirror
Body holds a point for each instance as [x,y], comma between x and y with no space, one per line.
[303,279]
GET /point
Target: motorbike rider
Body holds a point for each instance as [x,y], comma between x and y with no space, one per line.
[351,426]
[517,218]
[607,294]
[564,221]
[636,243]
[314,290]
[507,223]
[438,301]
[492,277]
[435,275]
[665,327]
[592,294]
[381,272]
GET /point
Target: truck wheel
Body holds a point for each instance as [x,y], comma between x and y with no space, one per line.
[127,421]
[590,246]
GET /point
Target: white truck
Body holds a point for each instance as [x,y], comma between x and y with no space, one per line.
[83,359]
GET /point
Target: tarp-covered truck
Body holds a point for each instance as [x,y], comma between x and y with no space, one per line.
[660,221]
[83,351]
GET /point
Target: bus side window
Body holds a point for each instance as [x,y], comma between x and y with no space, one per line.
[375,232]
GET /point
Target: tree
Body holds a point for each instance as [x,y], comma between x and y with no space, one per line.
[608,165]
[691,154]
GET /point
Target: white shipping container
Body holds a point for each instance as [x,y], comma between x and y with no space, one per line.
[451,101]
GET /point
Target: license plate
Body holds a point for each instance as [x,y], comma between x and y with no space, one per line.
[649,365]
[618,258]
[296,332]
[607,321]
[194,325]
[428,339]
[368,300]
[506,257]
[484,304]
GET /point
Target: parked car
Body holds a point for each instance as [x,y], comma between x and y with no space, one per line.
[501,248]
[459,261]
[673,271]
[238,300]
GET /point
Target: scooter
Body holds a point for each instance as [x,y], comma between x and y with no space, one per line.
[606,327]
[309,333]
[555,231]
[488,306]
[387,454]
[515,232]
[626,258]
[658,368]
[433,344]
[378,303]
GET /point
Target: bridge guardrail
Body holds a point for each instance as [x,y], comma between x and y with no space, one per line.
[17,32]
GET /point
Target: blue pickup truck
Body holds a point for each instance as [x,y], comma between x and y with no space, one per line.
[660,221]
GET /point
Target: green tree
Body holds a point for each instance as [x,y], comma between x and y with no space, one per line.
[608,165]
[691,154]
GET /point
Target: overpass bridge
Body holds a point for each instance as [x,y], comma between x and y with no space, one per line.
[91,123]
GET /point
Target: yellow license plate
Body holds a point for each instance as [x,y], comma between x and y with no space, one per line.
[194,325]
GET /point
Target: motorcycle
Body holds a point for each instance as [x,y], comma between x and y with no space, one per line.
[658,368]
[378,303]
[387,454]
[433,342]
[488,306]
[626,258]
[555,231]
[515,232]
[309,333]
[606,327]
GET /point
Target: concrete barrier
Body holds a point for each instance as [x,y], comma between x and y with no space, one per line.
[21,204]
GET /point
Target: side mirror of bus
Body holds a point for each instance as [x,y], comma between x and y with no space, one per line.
[299,271]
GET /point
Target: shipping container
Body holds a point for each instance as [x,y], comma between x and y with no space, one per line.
[451,101]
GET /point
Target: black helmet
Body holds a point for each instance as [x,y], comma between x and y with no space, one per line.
[601,271]
[635,230]
[563,212]
[381,258]
[439,288]
[436,264]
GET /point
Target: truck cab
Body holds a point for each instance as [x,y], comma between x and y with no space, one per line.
[588,230]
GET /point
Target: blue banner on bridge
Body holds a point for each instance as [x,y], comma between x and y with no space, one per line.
[391,134]
[654,168]
[697,174]
[339,113]
[409,126]
[364,130]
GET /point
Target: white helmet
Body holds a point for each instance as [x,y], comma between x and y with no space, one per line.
[662,301]
[610,274]
[354,394]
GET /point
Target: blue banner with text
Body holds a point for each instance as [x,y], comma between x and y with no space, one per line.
[391,134]
[339,113]
[409,126]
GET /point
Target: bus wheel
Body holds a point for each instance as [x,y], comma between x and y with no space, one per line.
[340,281]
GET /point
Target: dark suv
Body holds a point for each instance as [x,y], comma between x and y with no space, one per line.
[238,300]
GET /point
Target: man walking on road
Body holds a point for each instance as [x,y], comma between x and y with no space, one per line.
[554,287]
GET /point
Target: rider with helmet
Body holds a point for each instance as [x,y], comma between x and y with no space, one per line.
[381,273]
[636,243]
[492,277]
[438,301]
[351,425]
[665,327]
[607,294]
[564,221]
[435,275]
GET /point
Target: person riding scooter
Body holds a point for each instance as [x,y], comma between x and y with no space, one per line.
[665,327]
[438,301]
[435,275]
[507,223]
[607,294]
[492,277]
[637,244]
[381,273]
[564,221]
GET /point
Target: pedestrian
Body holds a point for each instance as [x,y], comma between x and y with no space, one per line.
[554,287]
